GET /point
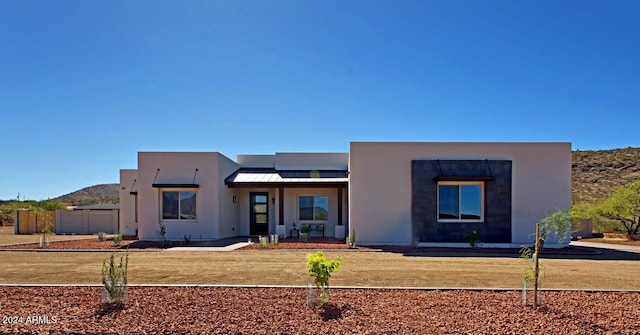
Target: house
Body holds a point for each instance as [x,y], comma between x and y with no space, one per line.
[390,192]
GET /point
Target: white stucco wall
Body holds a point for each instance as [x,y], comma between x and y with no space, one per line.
[179,167]
[380,183]
[228,213]
[128,224]
[256,161]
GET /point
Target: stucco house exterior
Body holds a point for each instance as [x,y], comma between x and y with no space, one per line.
[397,193]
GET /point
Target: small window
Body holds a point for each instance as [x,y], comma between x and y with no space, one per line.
[313,208]
[461,201]
[178,205]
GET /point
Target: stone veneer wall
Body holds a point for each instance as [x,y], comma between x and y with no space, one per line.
[496,227]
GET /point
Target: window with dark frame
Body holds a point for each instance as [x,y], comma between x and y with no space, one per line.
[313,208]
[179,205]
[461,201]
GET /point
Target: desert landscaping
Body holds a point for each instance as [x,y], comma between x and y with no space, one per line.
[255,290]
[225,310]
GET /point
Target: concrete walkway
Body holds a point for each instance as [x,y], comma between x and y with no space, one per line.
[617,247]
[230,247]
[225,244]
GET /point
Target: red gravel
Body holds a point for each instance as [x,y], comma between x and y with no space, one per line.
[294,243]
[172,310]
[87,244]
[290,243]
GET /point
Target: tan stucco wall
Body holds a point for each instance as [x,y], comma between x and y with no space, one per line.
[380,183]
[87,221]
[128,224]
[256,161]
[179,167]
[229,213]
[312,161]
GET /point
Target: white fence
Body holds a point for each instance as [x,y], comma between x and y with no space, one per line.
[87,221]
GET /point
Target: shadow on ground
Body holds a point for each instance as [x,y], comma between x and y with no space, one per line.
[570,252]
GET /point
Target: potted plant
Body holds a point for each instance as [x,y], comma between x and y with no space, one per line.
[304,232]
[351,239]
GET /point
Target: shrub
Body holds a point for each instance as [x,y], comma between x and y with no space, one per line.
[162,232]
[117,238]
[320,269]
[473,238]
[101,236]
[114,281]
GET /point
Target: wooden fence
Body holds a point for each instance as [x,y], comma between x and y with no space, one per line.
[31,222]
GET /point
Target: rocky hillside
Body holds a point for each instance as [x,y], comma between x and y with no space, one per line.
[97,194]
[595,174]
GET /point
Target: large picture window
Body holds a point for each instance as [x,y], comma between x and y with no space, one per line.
[178,205]
[313,208]
[461,201]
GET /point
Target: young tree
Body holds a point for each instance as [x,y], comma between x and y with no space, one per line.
[623,206]
[558,225]
[320,269]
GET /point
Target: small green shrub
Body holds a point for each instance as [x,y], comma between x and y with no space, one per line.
[473,238]
[117,238]
[305,228]
[162,233]
[320,269]
[101,236]
[114,281]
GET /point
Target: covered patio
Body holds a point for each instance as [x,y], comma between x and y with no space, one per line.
[281,201]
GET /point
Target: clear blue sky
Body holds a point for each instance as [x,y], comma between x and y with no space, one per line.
[85,85]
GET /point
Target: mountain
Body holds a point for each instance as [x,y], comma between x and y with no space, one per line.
[97,194]
[595,174]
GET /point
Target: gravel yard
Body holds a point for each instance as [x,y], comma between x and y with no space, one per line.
[181,310]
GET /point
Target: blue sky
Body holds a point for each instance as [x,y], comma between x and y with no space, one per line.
[85,85]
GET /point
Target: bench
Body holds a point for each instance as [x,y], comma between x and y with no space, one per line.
[319,227]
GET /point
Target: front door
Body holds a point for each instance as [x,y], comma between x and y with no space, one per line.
[259,213]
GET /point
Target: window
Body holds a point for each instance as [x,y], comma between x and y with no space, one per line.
[313,208]
[461,201]
[178,205]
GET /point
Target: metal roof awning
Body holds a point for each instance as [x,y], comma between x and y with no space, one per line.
[457,177]
[463,178]
[175,185]
[254,177]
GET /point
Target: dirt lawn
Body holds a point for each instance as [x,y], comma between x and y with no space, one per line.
[7,237]
[287,267]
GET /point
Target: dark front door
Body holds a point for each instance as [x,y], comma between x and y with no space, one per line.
[259,213]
